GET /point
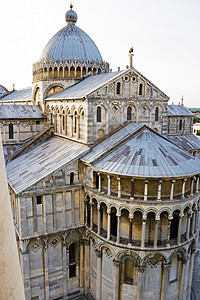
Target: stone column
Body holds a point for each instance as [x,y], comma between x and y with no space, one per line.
[118,228]
[119,187]
[4,132]
[82,269]
[172,189]
[132,189]
[99,189]
[71,124]
[193,222]
[130,229]
[65,277]
[183,188]
[192,187]
[190,273]
[188,225]
[141,269]
[156,232]
[87,267]
[179,229]
[86,213]
[78,127]
[143,232]
[145,190]
[99,219]
[108,228]
[197,185]
[46,270]
[98,275]
[197,219]
[181,288]
[109,191]
[25,267]
[165,282]
[72,208]
[91,215]
[159,190]
[116,280]
[168,230]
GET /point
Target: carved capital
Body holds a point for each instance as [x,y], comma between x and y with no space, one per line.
[141,268]
[98,253]
[116,263]
[166,266]
[185,259]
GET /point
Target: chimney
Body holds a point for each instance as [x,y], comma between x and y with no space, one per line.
[118,68]
[13,86]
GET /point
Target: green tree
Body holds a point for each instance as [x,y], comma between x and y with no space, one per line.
[196,119]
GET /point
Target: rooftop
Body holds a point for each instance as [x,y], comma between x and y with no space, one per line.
[144,154]
[20,112]
[178,110]
[21,95]
[85,87]
[41,161]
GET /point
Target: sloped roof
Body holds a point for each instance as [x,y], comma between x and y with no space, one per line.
[178,110]
[111,141]
[187,141]
[85,87]
[42,160]
[148,155]
[20,112]
[18,95]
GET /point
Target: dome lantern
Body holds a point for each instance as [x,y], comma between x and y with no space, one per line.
[71,16]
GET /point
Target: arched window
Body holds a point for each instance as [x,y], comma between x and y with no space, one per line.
[129,113]
[118,88]
[72,260]
[71,178]
[156,113]
[63,120]
[98,114]
[128,271]
[10,131]
[180,124]
[140,89]
[75,122]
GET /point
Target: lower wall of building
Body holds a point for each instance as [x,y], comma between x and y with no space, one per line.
[52,271]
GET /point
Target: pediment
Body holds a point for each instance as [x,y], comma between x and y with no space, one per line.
[129,83]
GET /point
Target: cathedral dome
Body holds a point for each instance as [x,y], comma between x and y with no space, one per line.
[71,43]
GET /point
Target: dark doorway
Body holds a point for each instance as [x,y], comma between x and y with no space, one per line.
[113,223]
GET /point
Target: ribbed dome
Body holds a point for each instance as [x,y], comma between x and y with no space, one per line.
[71,42]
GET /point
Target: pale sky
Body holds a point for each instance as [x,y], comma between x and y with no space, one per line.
[165,35]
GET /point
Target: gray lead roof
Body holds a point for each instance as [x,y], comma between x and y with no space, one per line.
[178,110]
[20,112]
[85,87]
[147,155]
[42,160]
[21,95]
[186,141]
[71,42]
